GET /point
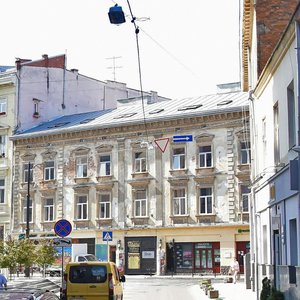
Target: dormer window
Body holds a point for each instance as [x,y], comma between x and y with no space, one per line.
[3,106]
[36,113]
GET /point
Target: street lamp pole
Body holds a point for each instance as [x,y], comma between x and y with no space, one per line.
[28,203]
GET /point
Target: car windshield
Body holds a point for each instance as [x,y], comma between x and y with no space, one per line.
[88,274]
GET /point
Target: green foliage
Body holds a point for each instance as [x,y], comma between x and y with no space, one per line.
[26,253]
[45,253]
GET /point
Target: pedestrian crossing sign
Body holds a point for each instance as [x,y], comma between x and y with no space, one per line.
[107,236]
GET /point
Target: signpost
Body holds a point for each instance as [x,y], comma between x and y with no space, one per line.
[107,236]
[62,228]
[182,138]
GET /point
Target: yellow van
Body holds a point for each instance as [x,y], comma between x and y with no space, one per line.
[92,280]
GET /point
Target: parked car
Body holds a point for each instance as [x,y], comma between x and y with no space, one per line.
[85,257]
[92,280]
[53,271]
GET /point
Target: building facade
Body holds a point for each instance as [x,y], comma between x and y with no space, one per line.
[33,92]
[168,183]
[271,75]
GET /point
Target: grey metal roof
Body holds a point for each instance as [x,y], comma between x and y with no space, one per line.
[132,113]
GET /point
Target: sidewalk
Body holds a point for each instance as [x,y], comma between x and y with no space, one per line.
[231,291]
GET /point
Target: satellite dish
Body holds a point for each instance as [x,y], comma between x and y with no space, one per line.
[116,15]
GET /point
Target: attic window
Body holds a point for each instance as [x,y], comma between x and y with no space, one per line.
[188,107]
[156,111]
[123,116]
[58,125]
[225,102]
[87,121]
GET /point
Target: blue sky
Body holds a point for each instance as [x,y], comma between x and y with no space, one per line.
[186,47]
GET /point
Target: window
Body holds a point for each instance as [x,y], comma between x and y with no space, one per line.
[291,115]
[82,209]
[105,165]
[140,203]
[2,191]
[245,153]
[205,157]
[49,170]
[179,202]
[178,158]
[3,106]
[140,162]
[104,206]
[189,107]
[81,166]
[276,134]
[48,209]
[245,193]
[25,210]
[206,201]
[2,145]
[25,172]
[264,139]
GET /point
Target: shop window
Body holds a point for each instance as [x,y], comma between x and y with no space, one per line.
[82,207]
[48,209]
[206,201]
[205,156]
[49,171]
[140,162]
[81,166]
[2,191]
[178,159]
[104,165]
[25,210]
[179,202]
[140,203]
[184,255]
[104,206]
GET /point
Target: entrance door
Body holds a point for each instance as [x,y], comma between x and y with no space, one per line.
[203,259]
[242,248]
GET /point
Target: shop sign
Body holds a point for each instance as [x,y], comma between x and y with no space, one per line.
[204,245]
[147,254]
[133,247]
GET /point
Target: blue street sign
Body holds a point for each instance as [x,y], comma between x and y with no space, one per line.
[107,236]
[182,138]
[62,228]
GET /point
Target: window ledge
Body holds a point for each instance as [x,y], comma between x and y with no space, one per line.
[81,179]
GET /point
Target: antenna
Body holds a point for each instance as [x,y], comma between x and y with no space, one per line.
[114,67]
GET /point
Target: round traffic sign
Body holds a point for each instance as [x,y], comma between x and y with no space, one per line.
[62,228]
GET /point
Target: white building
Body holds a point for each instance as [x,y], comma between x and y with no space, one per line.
[271,74]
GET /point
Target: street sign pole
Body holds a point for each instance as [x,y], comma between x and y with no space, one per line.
[62,266]
[107,250]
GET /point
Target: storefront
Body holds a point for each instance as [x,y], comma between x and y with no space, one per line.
[140,253]
[193,257]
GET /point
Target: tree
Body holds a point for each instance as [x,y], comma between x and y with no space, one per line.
[45,254]
[9,250]
[26,255]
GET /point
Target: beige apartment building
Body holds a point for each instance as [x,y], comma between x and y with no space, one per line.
[167,181]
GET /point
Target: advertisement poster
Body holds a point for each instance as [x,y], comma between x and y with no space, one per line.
[58,256]
[134,261]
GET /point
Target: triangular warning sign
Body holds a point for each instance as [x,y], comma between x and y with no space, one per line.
[162,143]
[107,236]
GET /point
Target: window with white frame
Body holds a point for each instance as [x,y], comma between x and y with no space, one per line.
[2,191]
[48,209]
[27,172]
[140,162]
[2,145]
[178,158]
[205,156]
[3,106]
[179,202]
[81,166]
[245,152]
[276,134]
[140,203]
[245,195]
[49,171]
[206,200]
[104,206]
[25,210]
[264,139]
[82,207]
[104,165]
